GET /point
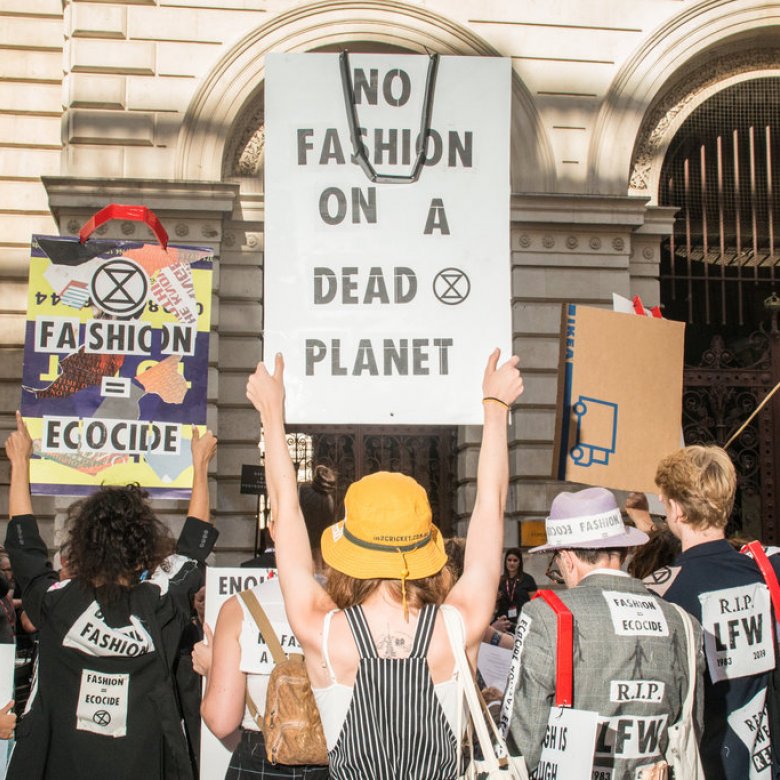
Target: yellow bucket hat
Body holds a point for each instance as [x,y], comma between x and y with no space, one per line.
[386,532]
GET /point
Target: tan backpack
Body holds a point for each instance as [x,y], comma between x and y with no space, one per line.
[291,723]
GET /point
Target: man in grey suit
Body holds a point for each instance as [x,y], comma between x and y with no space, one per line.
[630,655]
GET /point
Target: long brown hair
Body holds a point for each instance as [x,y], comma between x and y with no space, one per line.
[347,591]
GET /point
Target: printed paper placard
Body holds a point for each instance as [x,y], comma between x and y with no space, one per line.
[221,584]
[635,615]
[751,724]
[115,363]
[737,625]
[386,298]
[567,748]
[629,737]
[102,703]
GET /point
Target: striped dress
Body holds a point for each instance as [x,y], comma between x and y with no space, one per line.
[395,726]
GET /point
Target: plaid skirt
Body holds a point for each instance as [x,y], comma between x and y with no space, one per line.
[249,762]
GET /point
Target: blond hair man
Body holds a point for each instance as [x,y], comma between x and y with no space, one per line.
[725,591]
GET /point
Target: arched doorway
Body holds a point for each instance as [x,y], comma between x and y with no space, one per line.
[719,274]
[223,138]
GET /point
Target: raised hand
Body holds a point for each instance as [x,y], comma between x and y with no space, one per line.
[18,445]
[504,382]
[203,446]
[266,391]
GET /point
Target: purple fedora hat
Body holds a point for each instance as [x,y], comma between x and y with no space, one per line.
[588,519]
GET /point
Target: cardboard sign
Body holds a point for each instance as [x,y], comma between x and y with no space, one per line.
[384,297]
[619,397]
[115,363]
[221,584]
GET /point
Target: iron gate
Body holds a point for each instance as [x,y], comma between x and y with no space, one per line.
[719,274]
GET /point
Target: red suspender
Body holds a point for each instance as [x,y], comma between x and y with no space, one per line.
[760,557]
[564,666]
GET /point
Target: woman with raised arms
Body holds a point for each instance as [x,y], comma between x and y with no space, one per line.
[375,642]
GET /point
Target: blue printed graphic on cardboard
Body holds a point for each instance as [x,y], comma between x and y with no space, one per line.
[596,431]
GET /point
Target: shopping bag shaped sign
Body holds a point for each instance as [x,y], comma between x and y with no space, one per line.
[115,360]
[387,233]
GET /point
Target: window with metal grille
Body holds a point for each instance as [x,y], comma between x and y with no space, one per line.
[722,170]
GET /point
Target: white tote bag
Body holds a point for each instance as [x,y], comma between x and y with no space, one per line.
[496,761]
[682,754]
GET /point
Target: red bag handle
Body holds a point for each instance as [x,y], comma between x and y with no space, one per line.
[133,213]
[762,561]
[564,664]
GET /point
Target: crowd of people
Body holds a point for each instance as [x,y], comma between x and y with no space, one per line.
[671,625]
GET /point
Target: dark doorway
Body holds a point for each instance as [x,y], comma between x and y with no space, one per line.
[427,453]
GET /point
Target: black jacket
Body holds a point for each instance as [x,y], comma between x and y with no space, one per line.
[103,702]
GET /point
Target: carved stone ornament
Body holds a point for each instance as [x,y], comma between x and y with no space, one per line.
[652,136]
[618,244]
[525,241]
[245,152]
[73,226]
[182,229]
[595,243]
[572,242]
[548,241]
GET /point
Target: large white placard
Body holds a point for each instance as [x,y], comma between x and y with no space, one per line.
[7,659]
[221,584]
[386,298]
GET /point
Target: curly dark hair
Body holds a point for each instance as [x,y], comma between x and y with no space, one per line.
[113,537]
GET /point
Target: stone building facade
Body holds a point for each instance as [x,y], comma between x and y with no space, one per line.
[160,102]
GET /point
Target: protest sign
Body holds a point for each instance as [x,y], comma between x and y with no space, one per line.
[493,664]
[7,667]
[221,584]
[115,363]
[568,744]
[619,397]
[386,297]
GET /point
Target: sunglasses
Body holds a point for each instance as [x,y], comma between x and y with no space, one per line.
[553,573]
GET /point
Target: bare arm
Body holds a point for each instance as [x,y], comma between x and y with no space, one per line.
[304,598]
[18,447]
[203,449]
[474,593]
[222,707]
